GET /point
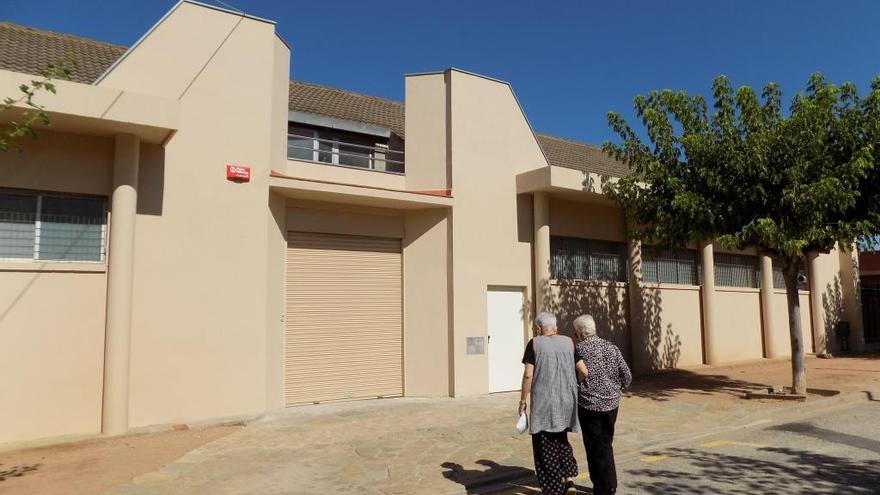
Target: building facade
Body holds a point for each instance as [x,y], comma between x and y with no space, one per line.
[197,237]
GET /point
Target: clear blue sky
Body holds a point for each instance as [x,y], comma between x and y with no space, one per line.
[568,61]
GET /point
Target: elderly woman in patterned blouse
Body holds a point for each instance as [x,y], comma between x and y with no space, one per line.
[549,378]
[598,401]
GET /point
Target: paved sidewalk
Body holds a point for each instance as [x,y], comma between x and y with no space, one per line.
[437,446]
[407,446]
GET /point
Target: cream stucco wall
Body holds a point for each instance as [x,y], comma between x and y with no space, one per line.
[586,220]
[52,314]
[668,331]
[738,321]
[428,131]
[201,277]
[61,162]
[426,303]
[490,143]
[343,175]
[780,333]
[52,322]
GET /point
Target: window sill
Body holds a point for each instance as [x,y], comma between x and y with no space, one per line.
[747,290]
[668,286]
[781,292]
[52,266]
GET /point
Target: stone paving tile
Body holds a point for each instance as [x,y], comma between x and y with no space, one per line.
[437,446]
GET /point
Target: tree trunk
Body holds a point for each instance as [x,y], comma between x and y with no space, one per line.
[798,371]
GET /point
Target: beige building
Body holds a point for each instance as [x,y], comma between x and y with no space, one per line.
[197,237]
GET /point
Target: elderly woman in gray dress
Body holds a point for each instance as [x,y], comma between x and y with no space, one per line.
[550,378]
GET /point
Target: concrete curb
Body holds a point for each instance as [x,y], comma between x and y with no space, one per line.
[498,482]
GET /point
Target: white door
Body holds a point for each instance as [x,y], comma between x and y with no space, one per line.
[507,339]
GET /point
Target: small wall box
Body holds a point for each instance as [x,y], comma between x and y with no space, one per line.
[238,173]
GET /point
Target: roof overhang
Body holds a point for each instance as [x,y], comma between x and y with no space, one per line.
[86,109]
[353,194]
[577,185]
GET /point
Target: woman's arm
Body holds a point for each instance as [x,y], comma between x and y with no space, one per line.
[526,386]
[582,371]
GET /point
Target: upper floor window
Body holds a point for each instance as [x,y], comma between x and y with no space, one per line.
[51,227]
[343,148]
[674,266]
[572,258]
[737,270]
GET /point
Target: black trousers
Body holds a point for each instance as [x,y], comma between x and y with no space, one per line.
[554,461]
[598,430]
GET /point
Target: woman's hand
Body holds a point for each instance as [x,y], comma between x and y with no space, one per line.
[522,408]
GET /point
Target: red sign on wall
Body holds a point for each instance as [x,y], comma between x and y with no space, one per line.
[238,173]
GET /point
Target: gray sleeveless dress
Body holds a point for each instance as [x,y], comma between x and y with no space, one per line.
[554,385]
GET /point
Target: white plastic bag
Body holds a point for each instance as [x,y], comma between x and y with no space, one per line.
[522,424]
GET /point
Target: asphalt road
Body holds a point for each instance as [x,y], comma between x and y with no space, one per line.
[836,452]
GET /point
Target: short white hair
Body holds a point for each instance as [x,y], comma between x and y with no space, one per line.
[584,326]
[545,320]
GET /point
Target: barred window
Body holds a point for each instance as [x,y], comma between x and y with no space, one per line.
[737,270]
[779,278]
[572,258]
[51,227]
[678,266]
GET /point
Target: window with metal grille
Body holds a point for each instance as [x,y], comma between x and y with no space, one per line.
[675,266]
[572,258]
[779,278]
[737,270]
[51,227]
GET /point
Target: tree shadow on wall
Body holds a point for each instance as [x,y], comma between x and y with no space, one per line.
[832,303]
[656,347]
[645,343]
[780,471]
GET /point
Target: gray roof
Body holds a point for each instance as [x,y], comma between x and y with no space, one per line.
[29,50]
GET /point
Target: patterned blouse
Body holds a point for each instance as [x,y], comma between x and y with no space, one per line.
[608,375]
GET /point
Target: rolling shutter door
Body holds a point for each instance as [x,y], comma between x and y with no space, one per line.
[343,330]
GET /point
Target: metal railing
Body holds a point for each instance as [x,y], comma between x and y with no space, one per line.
[344,154]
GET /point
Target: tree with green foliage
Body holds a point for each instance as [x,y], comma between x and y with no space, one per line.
[749,175]
[34,114]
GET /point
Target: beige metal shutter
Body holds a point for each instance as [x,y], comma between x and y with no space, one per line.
[343,330]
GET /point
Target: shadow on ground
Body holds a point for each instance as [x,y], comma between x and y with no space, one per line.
[666,385]
[496,479]
[16,471]
[797,473]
